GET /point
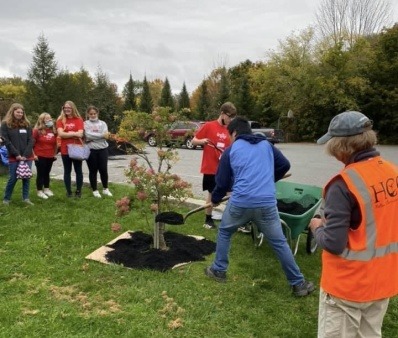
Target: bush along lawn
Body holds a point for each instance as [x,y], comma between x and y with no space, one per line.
[49,289]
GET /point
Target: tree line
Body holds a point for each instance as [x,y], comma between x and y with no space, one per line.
[338,65]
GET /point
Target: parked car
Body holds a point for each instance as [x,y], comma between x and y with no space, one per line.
[272,135]
[181,134]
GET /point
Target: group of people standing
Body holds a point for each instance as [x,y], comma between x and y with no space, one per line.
[356,227]
[42,143]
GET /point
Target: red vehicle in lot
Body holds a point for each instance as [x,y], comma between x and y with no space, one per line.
[181,134]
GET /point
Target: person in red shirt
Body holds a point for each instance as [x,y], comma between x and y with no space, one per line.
[213,136]
[45,151]
[70,129]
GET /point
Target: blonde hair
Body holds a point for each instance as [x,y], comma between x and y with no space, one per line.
[41,125]
[345,146]
[75,112]
[10,119]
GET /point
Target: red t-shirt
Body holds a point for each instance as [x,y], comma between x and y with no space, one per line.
[218,134]
[44,143]
[71,124]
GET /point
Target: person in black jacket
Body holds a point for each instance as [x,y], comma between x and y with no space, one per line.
[17,134]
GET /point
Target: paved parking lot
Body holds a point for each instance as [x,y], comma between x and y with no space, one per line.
[309,165]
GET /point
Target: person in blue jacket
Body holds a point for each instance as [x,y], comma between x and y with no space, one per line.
[249,168]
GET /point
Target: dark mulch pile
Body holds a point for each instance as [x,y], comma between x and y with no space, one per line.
[296,207]
[136,252]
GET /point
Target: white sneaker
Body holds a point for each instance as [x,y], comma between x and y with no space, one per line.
[48,192]
[107,192]
[96,194]
[42,195]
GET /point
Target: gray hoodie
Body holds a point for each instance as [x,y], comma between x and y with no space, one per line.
[94,132]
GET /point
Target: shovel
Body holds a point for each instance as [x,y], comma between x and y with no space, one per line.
[174,218]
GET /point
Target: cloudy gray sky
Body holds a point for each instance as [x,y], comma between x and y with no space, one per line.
[181,39]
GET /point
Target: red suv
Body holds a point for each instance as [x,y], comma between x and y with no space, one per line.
[181,134]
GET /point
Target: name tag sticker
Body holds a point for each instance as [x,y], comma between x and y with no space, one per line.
[220,145]
[22,131]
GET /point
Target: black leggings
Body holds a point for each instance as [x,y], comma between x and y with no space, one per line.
[77,165]
[98,162]
[43,169]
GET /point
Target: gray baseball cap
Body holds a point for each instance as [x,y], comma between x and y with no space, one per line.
[348,123]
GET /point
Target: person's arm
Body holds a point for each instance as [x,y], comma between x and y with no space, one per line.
[7,141]
[223,178]
[281,164]
[331,232]
[95,135]
[200,138]
[70,134]
[30,141]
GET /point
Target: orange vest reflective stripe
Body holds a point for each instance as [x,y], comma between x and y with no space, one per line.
[367,270]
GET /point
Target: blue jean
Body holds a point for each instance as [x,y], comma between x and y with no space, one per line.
[267,221]
[12,180]
[77,165]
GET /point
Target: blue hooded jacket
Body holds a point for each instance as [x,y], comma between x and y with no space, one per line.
[249,168]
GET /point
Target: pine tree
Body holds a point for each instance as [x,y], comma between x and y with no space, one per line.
[41,75]
[203,102]
[146,104]
[224,92]
[166,98]
[245,102]
[106,99]
[129,95]
[183,99]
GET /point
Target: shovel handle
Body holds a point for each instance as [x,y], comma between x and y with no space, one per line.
[202,207]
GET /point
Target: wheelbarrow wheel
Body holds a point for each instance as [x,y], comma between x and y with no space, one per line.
[311,244]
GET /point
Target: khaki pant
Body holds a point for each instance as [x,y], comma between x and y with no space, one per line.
[339,318]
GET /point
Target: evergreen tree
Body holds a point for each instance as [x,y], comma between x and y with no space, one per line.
[245,103]
[106,99]
[41,75]
[129,95]
[166,98]
[146,104]
[223,93]
[203,102]
[183,99]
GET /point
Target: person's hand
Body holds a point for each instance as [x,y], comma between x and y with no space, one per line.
[19,158]
[35,158]
[315,223]
[205,141]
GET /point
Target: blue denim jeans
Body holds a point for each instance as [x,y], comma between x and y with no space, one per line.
[77,165]
[12,180]
[268,222]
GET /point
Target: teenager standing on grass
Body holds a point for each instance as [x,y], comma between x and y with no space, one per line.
[17,134]
[70,129]
[210,136]
[358,232]
[96,133]
[251,166]
[45,151]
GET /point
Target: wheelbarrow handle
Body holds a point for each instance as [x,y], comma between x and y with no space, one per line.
[202,207]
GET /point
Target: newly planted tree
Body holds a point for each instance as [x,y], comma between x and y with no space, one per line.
[155,187]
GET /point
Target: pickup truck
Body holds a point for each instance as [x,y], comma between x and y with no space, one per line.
[272,135]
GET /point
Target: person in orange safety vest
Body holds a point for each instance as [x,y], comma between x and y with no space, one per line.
[357,231]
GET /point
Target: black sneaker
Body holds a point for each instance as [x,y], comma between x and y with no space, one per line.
[209,224]
[303,289]
[78,194]
[219,276]
[69,194]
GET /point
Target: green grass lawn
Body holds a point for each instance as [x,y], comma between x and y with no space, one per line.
[49,289]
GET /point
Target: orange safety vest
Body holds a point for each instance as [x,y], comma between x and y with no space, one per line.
[367,270]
